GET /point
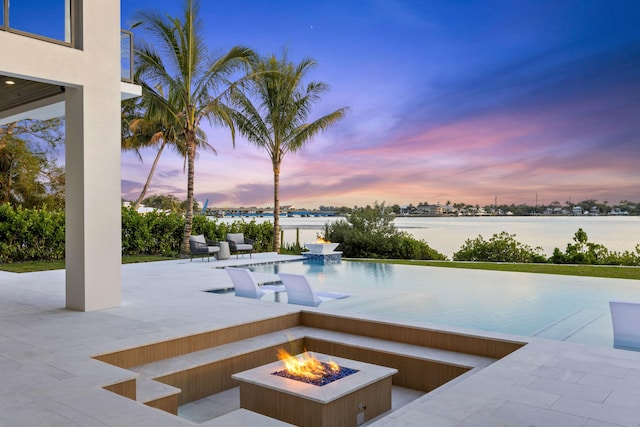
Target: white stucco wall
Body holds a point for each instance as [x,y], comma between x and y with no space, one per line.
[92,80]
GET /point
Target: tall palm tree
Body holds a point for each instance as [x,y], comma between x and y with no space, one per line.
[186,84]
[145,126]
[138,132]
[273,114]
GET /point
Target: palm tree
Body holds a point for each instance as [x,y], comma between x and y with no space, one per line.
[273,114]
[144,126]
[186,85]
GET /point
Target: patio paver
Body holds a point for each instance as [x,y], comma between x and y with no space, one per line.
[49,378]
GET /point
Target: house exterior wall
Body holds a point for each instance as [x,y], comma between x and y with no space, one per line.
[91,77]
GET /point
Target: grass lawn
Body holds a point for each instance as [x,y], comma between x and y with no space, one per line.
[31,266]
[613,272]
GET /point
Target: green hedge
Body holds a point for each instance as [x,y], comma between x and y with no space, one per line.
[501,247]
[261,234]
[30,234]
[39,234]
[504,247]
[154,233]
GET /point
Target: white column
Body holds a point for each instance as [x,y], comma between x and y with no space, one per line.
[93,223]
[90,74]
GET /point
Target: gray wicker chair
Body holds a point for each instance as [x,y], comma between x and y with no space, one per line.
[238,243]
[201,246]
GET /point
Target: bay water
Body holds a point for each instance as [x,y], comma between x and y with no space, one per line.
[448,234]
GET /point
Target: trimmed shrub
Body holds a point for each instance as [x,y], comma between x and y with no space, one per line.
[39,234]
[581,251]
[154,233]
[369,232]
[30,234]
[501,247]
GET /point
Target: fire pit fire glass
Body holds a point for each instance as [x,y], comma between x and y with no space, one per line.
[307,368]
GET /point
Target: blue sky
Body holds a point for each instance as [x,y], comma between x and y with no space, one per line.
[449,101]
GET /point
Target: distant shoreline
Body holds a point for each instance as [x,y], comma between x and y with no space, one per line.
[447,234]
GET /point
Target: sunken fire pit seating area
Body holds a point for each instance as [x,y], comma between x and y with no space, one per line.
[174,372]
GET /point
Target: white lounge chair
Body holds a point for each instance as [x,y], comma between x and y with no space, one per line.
[299,291]
[246,285]
[626,324]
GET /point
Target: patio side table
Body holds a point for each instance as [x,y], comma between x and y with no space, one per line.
[224,252]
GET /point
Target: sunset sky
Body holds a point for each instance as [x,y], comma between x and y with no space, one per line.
[459,101]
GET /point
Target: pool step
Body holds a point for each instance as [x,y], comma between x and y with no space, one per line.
[569,325]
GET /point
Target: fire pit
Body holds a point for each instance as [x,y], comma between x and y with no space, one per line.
[322,252]
[345,401]
[307,368]
[321,248]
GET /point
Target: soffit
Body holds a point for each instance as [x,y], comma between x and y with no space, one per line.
[24,92]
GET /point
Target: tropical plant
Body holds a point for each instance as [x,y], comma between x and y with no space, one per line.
[186,85]
[19,170]
[273,114]
[164,202]
[31,234]
[581,251]
[369,232]
[29,176]
[145,123]
[501,247]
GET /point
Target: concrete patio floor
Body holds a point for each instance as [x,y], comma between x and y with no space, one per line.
[50,379]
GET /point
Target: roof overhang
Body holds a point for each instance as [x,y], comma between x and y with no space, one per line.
[26,99]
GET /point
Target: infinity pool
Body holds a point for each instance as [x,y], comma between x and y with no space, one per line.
[567,308]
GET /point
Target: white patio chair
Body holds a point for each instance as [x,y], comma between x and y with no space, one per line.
[299,291]
[246,285]
[626,324]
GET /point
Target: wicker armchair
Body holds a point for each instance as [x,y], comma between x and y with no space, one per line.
[201,246]
[238,243]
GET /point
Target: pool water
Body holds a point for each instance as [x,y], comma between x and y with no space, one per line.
[567,308]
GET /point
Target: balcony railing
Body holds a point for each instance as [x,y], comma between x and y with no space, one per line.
[126,56]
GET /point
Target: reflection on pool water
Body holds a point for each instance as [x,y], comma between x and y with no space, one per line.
[568,308]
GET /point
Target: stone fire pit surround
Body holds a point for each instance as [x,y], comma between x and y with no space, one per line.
[321,248]
[348,401]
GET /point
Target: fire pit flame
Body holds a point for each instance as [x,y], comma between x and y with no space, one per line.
[307,368]
[320,239]
[306,365]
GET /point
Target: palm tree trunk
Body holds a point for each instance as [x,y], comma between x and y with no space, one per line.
[191,154]
[7,198]
[151,172]
[276,207]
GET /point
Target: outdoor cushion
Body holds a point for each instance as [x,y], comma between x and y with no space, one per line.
[200,245]
[238,243]
[237,238]
[199,238]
